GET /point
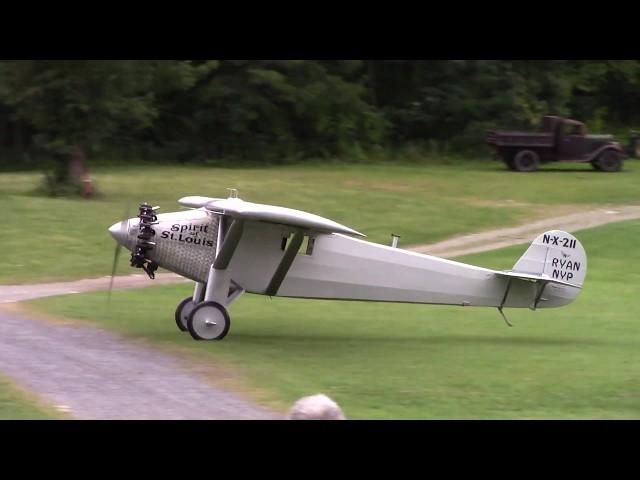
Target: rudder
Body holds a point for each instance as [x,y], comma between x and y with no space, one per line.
[556,255]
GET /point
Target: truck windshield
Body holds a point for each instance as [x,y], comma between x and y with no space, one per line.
[573,129]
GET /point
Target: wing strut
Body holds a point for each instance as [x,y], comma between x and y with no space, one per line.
[285,263]
[218,281]
[231,240]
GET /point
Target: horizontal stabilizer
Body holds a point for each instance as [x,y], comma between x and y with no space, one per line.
[537,278]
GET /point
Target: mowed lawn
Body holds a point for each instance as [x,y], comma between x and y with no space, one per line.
[45,239]
[393,361]
[18,405]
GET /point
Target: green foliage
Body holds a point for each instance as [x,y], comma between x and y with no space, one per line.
[458,100]
[271,109]
[279,110]
[79,103]
[55,185]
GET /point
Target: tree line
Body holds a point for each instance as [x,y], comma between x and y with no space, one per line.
[265,110]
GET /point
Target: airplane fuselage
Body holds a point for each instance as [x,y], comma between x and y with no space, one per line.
[328,265]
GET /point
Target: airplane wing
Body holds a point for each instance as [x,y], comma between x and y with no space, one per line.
[237,208]
[196,201]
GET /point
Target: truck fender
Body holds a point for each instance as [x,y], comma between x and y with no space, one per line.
[618,149]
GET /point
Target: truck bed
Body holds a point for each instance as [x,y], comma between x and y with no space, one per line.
[520,139]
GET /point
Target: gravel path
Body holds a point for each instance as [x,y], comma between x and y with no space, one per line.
[93,374]
[505,237]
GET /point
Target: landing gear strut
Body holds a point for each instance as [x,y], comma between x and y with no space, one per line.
[203,317]
[209,319]
[206,313]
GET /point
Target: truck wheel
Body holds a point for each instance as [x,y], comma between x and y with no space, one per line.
[526,161]
[609,161]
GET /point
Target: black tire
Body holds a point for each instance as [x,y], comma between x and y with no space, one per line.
[526,161]
[609,161]
[211,311]
[181,320]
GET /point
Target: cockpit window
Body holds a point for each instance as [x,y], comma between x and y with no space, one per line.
[306,247]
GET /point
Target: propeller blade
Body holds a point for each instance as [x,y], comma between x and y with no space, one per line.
[116,253]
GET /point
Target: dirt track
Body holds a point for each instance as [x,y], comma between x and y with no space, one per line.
[19,293]
[90,373]
[504,237]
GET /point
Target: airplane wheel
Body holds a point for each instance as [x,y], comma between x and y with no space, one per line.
[185,307]
[209,321]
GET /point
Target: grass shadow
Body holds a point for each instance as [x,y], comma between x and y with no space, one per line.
[457,340]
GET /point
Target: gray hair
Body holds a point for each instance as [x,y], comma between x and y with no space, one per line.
[315,407]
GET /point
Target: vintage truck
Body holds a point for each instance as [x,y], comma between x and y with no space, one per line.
[559,139]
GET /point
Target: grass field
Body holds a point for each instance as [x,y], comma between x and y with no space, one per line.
[395,361]
[18,405]
[46,239]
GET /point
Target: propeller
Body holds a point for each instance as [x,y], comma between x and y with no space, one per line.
[116,253]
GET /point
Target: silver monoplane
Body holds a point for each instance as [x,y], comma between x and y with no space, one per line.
[229,246]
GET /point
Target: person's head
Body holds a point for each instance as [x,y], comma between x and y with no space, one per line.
[315,407]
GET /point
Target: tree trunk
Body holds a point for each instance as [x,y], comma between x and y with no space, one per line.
[70,174]
[78,171]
